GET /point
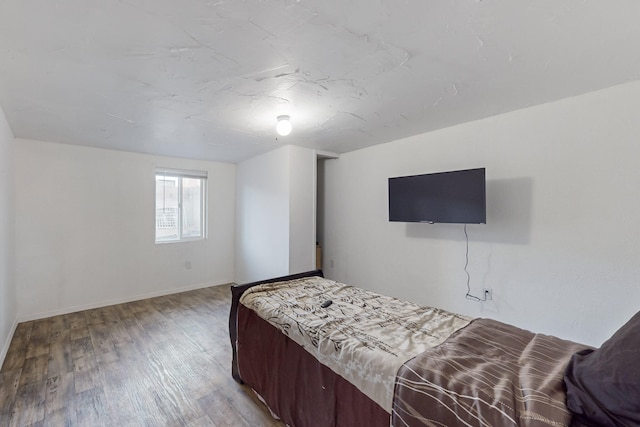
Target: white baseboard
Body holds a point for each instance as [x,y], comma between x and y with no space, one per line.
[7,343]
[107,303]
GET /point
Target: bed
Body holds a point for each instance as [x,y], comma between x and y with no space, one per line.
[321,353]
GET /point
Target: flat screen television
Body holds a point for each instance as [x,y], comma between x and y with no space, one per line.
[447,197]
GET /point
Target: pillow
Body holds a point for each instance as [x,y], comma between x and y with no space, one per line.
[603,385]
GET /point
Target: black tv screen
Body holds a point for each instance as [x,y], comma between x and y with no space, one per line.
[446,197]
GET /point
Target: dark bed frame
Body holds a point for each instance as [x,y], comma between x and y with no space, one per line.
[236,293]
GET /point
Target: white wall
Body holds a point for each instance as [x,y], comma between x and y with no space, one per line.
[302,200]
[275,214]
[560,249]
[262,216]
[7,278]
[85,229]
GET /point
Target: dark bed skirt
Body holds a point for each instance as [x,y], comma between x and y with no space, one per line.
[295,386]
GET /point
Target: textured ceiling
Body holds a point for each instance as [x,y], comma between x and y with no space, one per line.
[207,79]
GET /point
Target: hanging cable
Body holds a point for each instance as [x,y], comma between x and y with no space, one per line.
[466,264]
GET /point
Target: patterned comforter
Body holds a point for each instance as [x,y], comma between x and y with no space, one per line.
[487,374]
[362,336]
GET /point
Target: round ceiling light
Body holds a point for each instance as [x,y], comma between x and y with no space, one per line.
[284,126]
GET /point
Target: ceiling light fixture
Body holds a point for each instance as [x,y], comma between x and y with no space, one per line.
[284,126]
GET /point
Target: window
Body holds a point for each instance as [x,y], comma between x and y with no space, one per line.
[180,205]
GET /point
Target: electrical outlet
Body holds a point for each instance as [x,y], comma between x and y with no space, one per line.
[187,265]
[488,294]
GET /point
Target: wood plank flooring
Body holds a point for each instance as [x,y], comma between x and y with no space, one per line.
[163,361]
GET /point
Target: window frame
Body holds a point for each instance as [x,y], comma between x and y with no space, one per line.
[180,174]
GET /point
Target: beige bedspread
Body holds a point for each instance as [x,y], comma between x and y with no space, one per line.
[362,336]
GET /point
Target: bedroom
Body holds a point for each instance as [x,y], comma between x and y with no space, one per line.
[558,250]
